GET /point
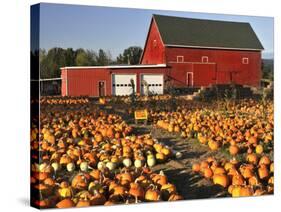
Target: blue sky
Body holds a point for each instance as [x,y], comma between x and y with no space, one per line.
[114,29]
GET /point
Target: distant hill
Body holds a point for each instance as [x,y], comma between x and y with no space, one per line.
[267,68]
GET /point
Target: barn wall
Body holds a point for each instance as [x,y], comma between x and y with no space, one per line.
[177,73]
[154,52]
[204,74]
[226,61]
[82,82]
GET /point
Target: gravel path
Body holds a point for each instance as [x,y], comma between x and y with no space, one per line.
[179,171]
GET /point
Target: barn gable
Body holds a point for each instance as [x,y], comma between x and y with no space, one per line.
[199,33]
[154,50]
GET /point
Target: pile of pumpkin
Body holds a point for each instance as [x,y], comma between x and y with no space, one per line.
[254,177]
[136,151]
[63,100]
[138,98]
[96,140]
[84,141]
[244,126]
[101,187]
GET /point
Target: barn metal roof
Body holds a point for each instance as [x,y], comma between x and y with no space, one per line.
[200,33]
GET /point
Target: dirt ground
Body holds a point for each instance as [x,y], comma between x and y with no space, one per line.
[179,171]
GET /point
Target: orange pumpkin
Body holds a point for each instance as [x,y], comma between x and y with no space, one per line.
[228,166]
[247,171]
[213,145]
[83,203]
[208,173]
[221,179]
[271,167]
[246,191]
[119,190]
[66,203]
[98,137]
[44,203]
[159,179]
[237,180]
[152,195]
[95,174]
[196,167]
[233,149]
[259,149]
[110,132]
[219,170]
[252,158]
[263,172]
[79,181]
[203,165]
[253,181]
[253,140]
[264,160]
[136,191]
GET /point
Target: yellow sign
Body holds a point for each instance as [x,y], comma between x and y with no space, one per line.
[141,114]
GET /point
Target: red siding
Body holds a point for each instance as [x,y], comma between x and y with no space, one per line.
[80,82]
[177,73]
[204,74]
[225,62]
[154,51]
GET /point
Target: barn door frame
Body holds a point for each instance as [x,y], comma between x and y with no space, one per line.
[99,87]
[187,79]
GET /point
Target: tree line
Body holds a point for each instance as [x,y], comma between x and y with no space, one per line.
[267,69]
[52,60]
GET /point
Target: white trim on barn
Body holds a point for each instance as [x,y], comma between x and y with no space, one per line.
[115,66]
[245,60]
[182,58]
[187,78]
[204,59]
[209,47]
[192,62]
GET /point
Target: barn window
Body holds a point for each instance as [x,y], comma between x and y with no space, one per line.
[180,59]
[154,43]
[205,59]
[245,60]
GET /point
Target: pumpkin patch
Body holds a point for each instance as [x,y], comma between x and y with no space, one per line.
[86,152]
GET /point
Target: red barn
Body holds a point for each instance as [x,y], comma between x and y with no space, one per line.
[186,52]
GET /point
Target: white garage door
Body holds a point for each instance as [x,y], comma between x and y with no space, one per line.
[121,84]
[155,83]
